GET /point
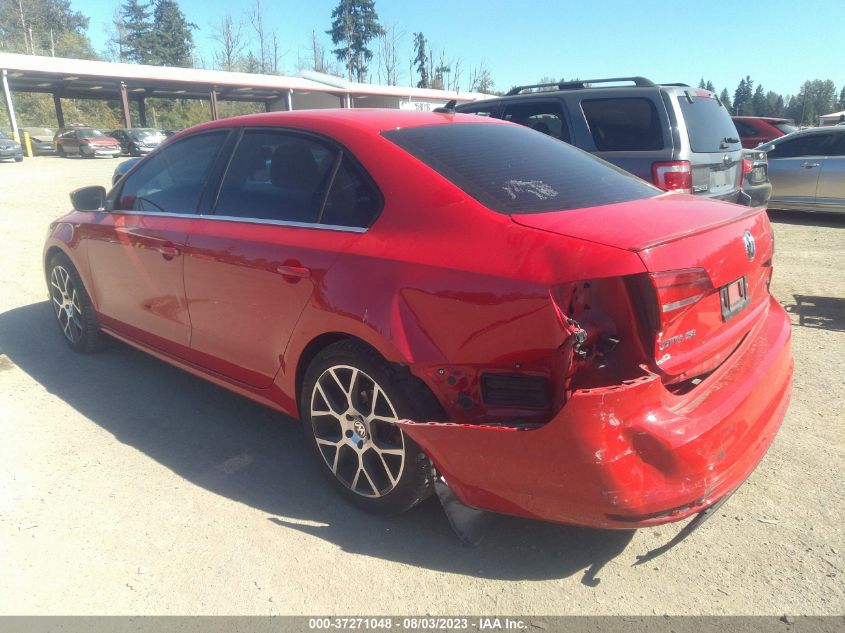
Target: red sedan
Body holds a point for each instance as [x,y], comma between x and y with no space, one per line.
[446,299]
[756,130]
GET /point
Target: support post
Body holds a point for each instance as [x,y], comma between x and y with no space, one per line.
[289,99]
[60,115]
[124,100]
[10,107]
[212,97]
[142,111]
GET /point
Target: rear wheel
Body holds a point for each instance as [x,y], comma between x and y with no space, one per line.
[350,402]
[18,159]
[61,151]
[72,306]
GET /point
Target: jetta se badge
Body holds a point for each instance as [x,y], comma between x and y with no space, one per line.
[750,246]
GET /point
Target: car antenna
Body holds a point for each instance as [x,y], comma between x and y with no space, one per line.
[449,108]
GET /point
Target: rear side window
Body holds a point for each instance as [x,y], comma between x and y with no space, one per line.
[488,109]
[276,176]
[745,130]
[623,125]
[545,117]
[513,170]
[709,126]
[352,200]
[786,128]
[173,179]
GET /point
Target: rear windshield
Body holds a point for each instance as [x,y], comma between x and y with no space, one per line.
[514,170]
[786,128]
[709,125]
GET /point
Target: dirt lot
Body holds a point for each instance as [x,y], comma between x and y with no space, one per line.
[127,486]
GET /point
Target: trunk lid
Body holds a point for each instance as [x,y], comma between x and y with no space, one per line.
[688,327]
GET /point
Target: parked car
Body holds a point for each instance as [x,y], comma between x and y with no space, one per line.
[85,141]
[446,299]
[10,148]
[755,177]
[680,138]
[138,141]
[756,130]
[41,140]
[807,170]
[122,168]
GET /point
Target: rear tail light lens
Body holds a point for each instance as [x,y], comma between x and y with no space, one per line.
[673,176]
[677,290]
[747,168]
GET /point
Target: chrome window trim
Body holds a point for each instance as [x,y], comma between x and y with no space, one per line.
[230,218]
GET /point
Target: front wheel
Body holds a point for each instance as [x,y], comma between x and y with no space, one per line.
[18,159]
[72,306]
[350,402]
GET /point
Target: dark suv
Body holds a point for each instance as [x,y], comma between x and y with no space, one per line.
[678,137]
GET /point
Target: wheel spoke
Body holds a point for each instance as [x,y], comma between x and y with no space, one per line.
[331,411]
[369,479]
[386,468]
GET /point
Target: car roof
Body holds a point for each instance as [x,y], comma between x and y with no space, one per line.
[374,120]
[768,119]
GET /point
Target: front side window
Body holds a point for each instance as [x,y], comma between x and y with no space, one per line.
[623,125]
[808,145]
[512,170]
[172,180]
[545,117]
[786,128]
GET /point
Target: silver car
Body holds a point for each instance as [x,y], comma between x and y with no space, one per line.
[807,170]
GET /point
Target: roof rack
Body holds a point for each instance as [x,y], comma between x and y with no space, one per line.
[581,84]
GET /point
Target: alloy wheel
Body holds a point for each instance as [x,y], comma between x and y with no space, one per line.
[354,424]
[66,302]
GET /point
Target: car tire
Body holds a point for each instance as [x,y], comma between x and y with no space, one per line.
[18,159]
[72,306]
[368,458]
[61,151]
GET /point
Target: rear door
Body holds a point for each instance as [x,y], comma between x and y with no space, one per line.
[714,150]
[136,249]
[288,205]
[795,165]
[830,191]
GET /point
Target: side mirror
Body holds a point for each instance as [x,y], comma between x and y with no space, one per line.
[89,198]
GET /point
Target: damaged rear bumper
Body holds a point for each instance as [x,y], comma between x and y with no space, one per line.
[630,455]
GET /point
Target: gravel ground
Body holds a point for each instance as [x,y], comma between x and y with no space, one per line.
[128,486]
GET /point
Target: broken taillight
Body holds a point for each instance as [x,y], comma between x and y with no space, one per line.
[677,290]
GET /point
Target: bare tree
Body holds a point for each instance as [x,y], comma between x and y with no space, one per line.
[455,78]
[116,32]
[227,34]
[388,55]
[480,79]
[256,19]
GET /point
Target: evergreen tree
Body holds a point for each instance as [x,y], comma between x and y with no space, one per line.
[742,105]
[709,86]
[841,103]
[171,41]
[44,27]
[354,24]
[725,98]
[701,83]
[758,102]
[421,60]
[137,30]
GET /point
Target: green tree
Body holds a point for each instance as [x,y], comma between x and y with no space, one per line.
[709,86]
[136,32]
[841,103]
[701,83]
[743,96]
[421,60]
[171,41]
[758,102]
[44,27]
[725,98]
[354,24]
[815,98]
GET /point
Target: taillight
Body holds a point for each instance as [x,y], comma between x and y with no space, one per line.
[747,168]
[677,290]
[674,175]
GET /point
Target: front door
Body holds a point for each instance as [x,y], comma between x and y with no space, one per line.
[795,166]
[136,250]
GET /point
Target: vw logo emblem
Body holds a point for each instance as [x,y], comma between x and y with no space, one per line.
[750,246]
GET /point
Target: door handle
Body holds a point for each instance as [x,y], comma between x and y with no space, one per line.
[809,165]
[169,252]
[293,273]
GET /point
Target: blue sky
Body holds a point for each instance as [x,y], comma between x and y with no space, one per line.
[779,43]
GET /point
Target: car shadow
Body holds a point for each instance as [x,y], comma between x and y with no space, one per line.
[250,454]
[808,218]
[826,313]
